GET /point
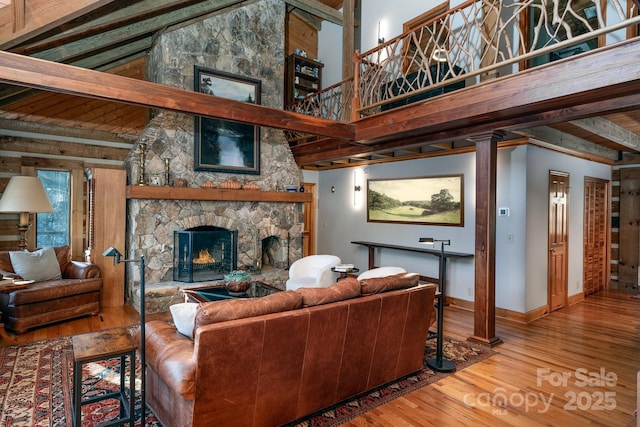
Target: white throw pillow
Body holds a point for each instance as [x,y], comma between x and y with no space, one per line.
[184,317]
[39,265]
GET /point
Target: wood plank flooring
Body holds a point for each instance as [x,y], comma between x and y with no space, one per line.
[594,343]
[598,337]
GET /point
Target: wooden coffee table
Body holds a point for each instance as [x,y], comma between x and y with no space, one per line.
[219,292]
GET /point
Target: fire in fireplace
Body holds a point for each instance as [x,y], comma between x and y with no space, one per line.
[204,253]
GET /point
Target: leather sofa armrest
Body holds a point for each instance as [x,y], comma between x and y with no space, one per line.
[81,270]
[171,355]
[9,274]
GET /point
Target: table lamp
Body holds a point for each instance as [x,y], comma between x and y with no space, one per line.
[25,195]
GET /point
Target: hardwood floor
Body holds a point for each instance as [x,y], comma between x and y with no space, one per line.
[599,336]
[595,344]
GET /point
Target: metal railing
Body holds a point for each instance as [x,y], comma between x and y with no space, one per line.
[468,44]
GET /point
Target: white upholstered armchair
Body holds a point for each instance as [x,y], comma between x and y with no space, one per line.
[313,271]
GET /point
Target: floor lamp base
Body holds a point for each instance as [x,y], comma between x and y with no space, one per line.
[442,365]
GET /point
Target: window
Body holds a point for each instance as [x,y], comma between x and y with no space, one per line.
[52,229]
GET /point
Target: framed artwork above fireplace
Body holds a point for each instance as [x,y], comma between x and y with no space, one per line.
[223,145]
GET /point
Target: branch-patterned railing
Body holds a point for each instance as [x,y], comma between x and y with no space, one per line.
[466,45]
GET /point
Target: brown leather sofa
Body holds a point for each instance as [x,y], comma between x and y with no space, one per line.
[297,352]
[76,294]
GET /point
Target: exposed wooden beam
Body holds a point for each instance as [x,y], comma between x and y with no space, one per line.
[57,133]
[311,20]
[568,143]
[348,39]
[126,15]
[62,149]
[109,59]
[54,77]
[321,10]
[105,39]
[41,17]
[609,130]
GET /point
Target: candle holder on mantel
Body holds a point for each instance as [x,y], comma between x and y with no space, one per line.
[167,173]
[143,154]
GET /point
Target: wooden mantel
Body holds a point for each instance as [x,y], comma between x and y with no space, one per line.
[215,194]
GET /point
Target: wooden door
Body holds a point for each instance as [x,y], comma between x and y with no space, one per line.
[629,229]
[558,239]
[596,235]
[106,227]
[309,232]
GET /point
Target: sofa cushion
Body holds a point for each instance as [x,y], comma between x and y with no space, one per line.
[38,265]
[345,289]
[221,311]
[184,317]
[376,285]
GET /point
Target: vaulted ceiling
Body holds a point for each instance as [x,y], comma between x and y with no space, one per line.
[114,36]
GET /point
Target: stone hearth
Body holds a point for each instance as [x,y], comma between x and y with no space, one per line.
[247,41]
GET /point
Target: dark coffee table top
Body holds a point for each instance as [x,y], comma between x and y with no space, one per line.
[219,292]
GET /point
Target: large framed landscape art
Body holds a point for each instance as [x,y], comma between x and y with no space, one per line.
[222,145]
[433,200]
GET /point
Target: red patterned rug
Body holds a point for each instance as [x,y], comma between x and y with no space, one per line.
[462,353]
[42,396]
[36,385]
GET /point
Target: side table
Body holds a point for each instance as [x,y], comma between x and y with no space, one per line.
[344,272]
[104,345]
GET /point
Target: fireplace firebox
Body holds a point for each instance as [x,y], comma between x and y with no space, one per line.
[204,253]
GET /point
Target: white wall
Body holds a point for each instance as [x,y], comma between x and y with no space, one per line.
[539,163]
[339,222]
[521,237]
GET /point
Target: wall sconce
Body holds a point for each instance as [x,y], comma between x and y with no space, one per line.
[440,55]
[440,364]
[357,188]
[25,195]
[380,37]
[113,252]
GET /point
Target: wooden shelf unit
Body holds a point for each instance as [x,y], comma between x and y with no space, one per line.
[303,76]
[215,194]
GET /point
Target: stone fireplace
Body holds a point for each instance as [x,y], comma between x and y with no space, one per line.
[246,41]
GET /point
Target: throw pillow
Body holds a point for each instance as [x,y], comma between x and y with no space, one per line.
[184,317]
[345,289]
[221,311]
[38,266]
[376,285]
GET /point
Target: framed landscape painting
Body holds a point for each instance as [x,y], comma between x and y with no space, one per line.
[435,200]
[222,145]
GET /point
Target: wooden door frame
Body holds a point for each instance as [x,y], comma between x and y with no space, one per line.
[566,240]
[310,209]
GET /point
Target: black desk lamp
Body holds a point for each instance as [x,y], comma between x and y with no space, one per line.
[113,252]
[440,364]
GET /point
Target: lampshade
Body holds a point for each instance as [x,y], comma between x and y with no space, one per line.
[25,194]
[426,240]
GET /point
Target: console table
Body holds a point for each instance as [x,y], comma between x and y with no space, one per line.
[431,251]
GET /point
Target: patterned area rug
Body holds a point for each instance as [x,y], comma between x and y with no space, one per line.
[462,353]
[42,396]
